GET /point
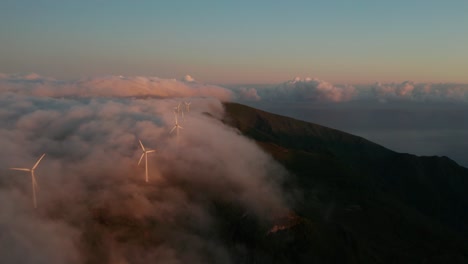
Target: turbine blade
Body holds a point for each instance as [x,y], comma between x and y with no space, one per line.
[151,151]
[172,130]
[141,144]
[20,169]
[141,158]
[37,162]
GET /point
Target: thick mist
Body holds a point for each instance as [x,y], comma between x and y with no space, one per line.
[93,203]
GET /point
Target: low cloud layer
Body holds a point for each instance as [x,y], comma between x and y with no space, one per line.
[419,92]
[295,90]
[111,86]
[307,89]
[93,203]
[315,90]
[419,118]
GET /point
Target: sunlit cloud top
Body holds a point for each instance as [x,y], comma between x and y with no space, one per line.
[316,90]
[295,90]
[110,86]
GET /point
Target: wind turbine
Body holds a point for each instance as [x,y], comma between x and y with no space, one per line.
[187,106]
[145,153]
[178,106]
[33,178]
[176,127]
[179,110]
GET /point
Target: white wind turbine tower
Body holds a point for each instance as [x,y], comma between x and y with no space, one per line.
[33,178]
[176,127]
[145,153]
[178,110]
[187,106]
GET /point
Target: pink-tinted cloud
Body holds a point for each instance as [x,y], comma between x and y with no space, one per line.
[249,94]
[90,174]
[298,89]
[111,86]
[315,90]
[188,78]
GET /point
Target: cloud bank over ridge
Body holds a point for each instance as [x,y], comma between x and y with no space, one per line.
[93,203]
[316,90]
[92,191]
[297,89]
[111,86]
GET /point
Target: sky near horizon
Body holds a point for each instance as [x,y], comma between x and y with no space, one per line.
[241,41]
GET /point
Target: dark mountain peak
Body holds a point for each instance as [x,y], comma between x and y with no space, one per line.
[245,118]
[300,135]
[410,209]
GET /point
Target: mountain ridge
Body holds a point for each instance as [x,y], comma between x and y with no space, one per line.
[385,199]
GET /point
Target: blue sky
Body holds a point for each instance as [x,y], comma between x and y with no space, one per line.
[238,41]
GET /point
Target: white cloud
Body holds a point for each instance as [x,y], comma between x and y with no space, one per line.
[111,86]
[188,78]
[316,90]
[249,94]
[416,91]
[91,173]
[298,89]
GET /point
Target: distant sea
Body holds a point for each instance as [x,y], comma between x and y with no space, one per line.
[420,128]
